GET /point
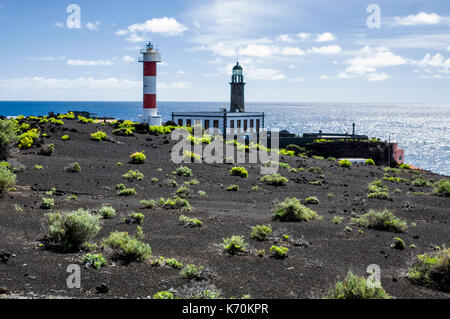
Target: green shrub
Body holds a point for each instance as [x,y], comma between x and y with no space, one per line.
[47,203]
[71,230]
[148,203]
[378,190]
[175,203]
[261,232]
[50,192]
[191,271]
[172,262]
[356,287]
[27,139]
[56,121]
[7,179]
[314,169]
[201,193]
[405,166]
[47,150]
[297,149]
[278,251]
[135,218]
[311,200]
[128,247]
[337,220]
[239,171]
[381,220]
[126,192]
[398,243]
[233,188]
[8,129]
[133,174]
[96,260]
[432,269]
[138,158]
[345,163]
[99,136]
[193,222]
[73,168]
[154,180]
[107,212]
[183,191]
[85,120]
[123,131]
[274,180]
[370,161]
[234,244]
[65,138]
[120,186]
[420,182]
[442,187]
[184,171]
[163,295]
[290,210]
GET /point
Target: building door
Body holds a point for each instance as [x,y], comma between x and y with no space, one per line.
[245,125]
[180,122]
[206,124]
[188,122]
[257,125]
[216,123]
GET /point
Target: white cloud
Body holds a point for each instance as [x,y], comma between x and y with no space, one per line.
[436,64]
[330,49]
[258,50]
[368,60]
[292,51]
[221,49]
[164,26]
[297,79]
[39,83]
[448,48]
[181,72]
[421,18]
[128,59]
[303,35]
[378,77]
[284,38]
[264,74]
[73,62]
[325,37]
[46,58]
[93,25]
[174,85]
[325,77]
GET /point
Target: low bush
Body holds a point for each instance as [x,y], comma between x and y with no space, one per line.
[193,222]
[172,262]
[239,171]
[85,120]
[381,220]
[420,182]
[7,178]
[184,171]
[71,230]
[290,210]
[313,200]
[65,138]
[261,232]
[442,187]
[279,252]
[163,295]
[274,180]
[234,245]
[47,203]
[356,287]
[345,163]
[47,150]
[8,129]
[135,218]
[128,247]
[337,220]
[27,139]
[137,158]
[73,168]
[175,203]
[99,136]
[126,192]
[191,271]
[183,191]
[95,260]
[377,190]
[120,186]
[201,193]
[370,161]
[133,174]
[148,203]
[107,212]
[398,243]
[38,167]
[314,169]
[233,188]
[432,269]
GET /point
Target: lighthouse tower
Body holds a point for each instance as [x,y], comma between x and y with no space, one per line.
[150,57]
[237,90]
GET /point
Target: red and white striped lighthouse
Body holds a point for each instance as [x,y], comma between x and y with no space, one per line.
[150,57]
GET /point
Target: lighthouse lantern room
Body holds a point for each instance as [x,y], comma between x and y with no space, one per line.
[150,57]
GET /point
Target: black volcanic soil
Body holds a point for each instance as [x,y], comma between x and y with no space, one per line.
[308,272]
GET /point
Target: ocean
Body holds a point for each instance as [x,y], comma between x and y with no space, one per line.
[423,131]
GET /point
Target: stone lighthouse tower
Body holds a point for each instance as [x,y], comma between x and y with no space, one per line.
[237,90]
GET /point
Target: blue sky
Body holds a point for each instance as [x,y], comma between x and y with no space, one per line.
[291,50]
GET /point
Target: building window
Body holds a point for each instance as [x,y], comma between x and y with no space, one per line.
[245,125]
[252,124]
[188,122]
[206,124]
[180,122]
[238,124]
[257,125]
[216,123]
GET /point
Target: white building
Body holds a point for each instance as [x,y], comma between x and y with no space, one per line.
[232,122]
